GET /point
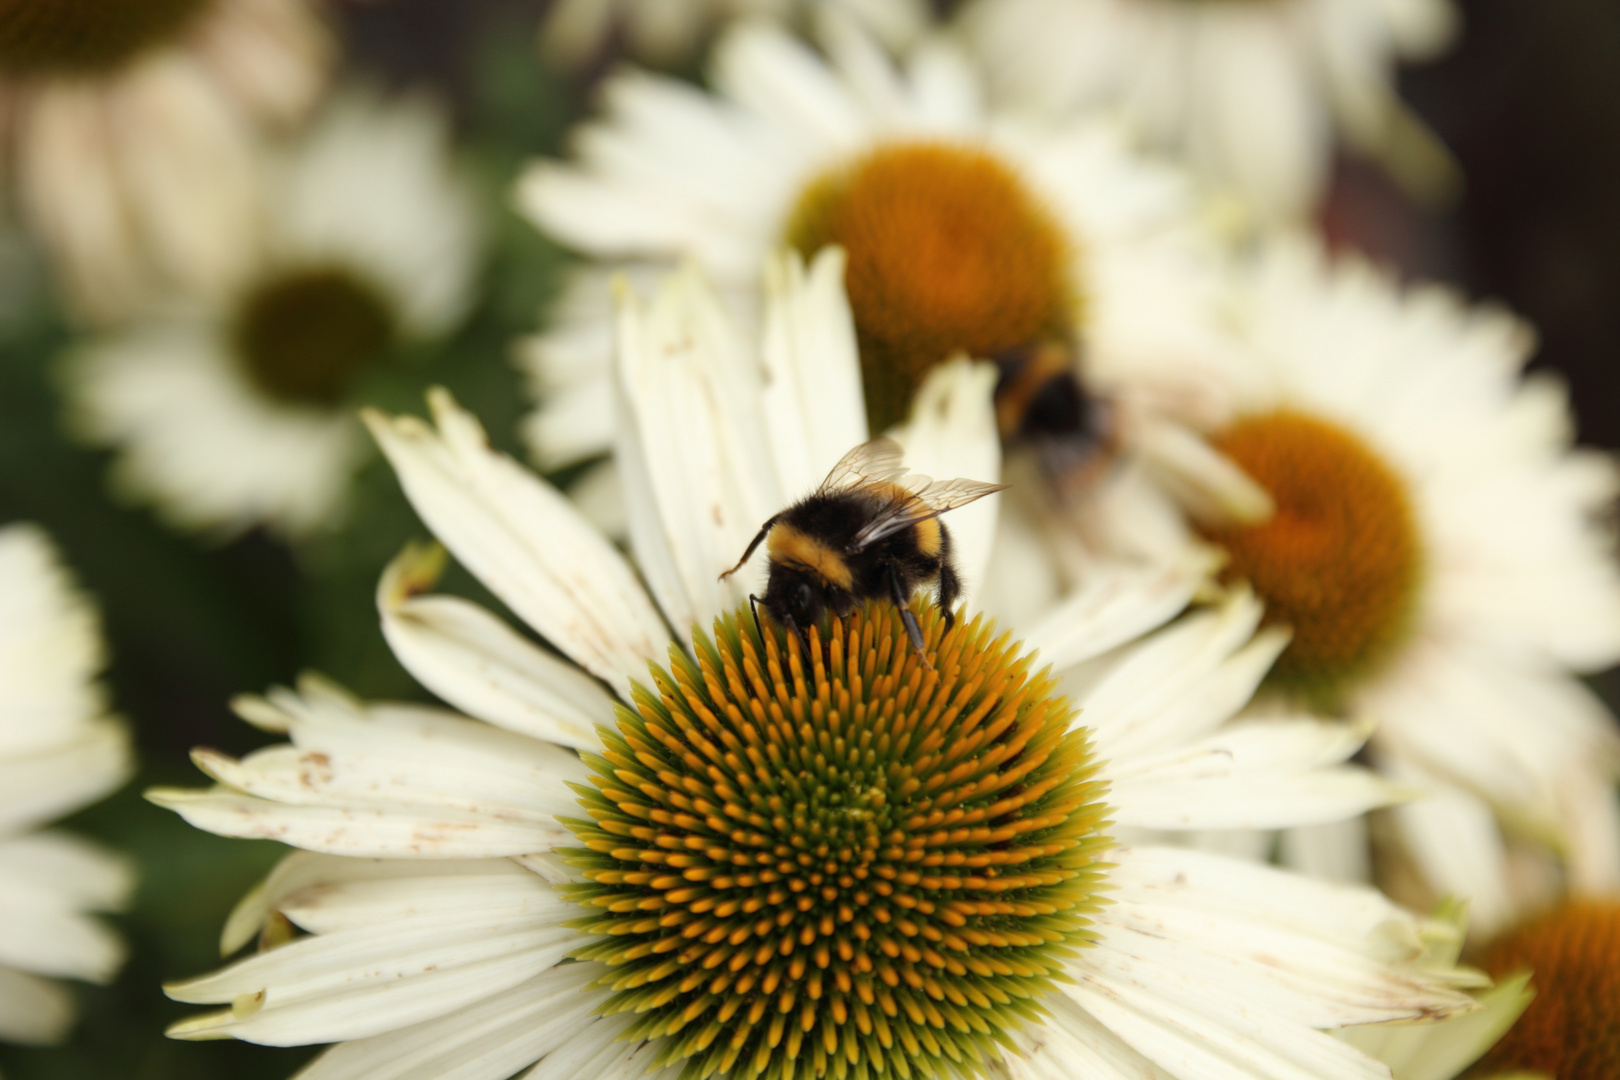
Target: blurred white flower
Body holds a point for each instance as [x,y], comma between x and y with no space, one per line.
[666,33]
[59,751]
[132,129]
[1048,248]
[234,409]
[425,931]
[1445,561]
[1253,93]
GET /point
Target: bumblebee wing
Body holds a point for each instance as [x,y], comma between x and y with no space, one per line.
[929,502]
[875,462]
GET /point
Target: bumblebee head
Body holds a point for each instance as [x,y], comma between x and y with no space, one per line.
[795,596]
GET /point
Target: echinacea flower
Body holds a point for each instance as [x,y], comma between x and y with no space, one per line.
[235,409]
[1442,557]
[1047,248]
[772,861]
[1254,95]
[59,751]
[133,127]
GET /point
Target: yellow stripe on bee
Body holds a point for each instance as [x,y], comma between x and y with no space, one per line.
[788,545]
[928,538]
[926,531]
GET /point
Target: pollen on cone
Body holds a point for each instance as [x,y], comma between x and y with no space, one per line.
[1571,1031]
[949,251]
[1339,563]
[840,863]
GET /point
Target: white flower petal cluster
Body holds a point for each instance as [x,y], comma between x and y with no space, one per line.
[196,435]
[421,930]
[1252,95]
[147,176]
[59,751]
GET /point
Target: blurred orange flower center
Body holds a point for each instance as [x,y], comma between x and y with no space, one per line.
[1340,561]
[1571,1030]
[304,338]
[77,36]
[949,251]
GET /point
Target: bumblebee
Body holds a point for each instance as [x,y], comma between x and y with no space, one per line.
[1041,404]
[868,531]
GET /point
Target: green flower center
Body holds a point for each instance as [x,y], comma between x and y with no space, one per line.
[87,36]
[851,867]
[949,251]
[1340,562]
[303,338]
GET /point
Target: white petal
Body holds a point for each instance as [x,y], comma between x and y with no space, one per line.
[1117,605]
[480,665]
[33,1010]
[1261,774]
[814,405]
[526,542]
[691,448]
[489,1040]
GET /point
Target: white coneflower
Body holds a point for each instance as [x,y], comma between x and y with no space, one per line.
[1047,248]
[671,32]
[1255,93]
[771,861]
[1444,561]
[59,751]
[132,128]
[235,409]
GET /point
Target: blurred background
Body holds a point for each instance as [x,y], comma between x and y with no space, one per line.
[1529,102]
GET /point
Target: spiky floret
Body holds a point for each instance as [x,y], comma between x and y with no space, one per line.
[842,863]
[1340,562]
[1570,1030]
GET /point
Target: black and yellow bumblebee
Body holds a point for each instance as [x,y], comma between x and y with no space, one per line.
[1040,403]
[870,530]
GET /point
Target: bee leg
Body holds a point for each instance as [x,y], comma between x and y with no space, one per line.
[950,588]
[913,631]
[752,544]
[753,604]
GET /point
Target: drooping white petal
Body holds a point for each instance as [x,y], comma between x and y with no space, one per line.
[481,665]
[524,541]
[489,1040]
[386,781]
[1258,774]
[352,984]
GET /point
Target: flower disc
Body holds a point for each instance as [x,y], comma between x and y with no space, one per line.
[1339,562]
[852,868]
[1571,1030]
[305,336]
[75,36]
[949,251]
